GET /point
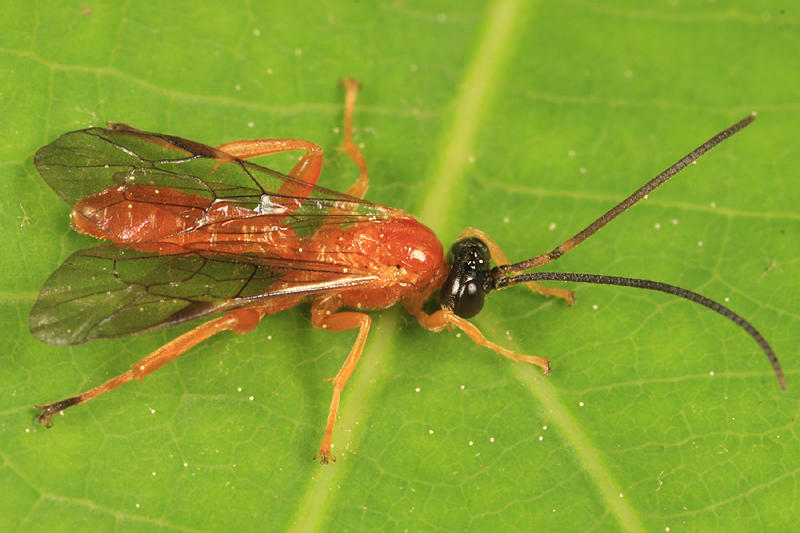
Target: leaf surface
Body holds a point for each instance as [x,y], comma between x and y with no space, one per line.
[524,120]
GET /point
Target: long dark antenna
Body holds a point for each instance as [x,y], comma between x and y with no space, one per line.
[640,193]
[504,281]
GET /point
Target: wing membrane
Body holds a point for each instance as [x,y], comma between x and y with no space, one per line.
[86,162]
[110,290]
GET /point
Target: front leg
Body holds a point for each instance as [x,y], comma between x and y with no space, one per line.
[324,315]
[444,318]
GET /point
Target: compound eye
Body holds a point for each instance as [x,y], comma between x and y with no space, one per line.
[470,300]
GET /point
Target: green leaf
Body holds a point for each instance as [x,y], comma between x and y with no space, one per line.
[526,120]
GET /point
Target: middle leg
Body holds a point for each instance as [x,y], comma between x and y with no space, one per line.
[359,188]
[323,315]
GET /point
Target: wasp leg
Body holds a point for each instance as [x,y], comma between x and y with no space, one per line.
[447,319]
[239,321]
[359,188]
[500,258]
[307,169]
[323,316]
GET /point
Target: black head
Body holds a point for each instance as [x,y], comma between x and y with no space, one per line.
[469,279]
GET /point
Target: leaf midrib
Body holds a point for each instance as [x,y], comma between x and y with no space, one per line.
[457,141]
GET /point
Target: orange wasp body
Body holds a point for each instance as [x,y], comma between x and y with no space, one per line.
[196,231]
[404,258]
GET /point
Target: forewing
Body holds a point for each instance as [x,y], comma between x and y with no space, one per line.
[109,291]
[86,162]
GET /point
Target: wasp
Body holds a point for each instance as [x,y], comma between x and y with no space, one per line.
[195,231]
